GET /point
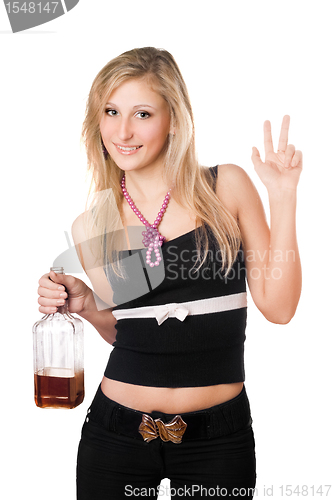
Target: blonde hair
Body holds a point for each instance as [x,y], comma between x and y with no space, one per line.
[192,183]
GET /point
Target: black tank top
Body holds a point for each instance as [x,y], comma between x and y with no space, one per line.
[203,348]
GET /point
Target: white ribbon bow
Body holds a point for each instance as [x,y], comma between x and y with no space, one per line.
[170,310]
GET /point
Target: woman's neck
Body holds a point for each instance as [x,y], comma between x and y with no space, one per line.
[145,187]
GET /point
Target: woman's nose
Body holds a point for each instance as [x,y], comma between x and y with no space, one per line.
[125,130]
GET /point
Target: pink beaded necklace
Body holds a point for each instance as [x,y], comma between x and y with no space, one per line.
[152,238]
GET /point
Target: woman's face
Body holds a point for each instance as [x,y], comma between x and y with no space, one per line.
[135,126]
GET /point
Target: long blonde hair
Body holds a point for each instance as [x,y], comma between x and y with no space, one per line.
[192,182]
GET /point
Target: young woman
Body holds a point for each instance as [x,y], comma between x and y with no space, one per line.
[170,295]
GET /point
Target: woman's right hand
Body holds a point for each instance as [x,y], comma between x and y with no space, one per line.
[53,294]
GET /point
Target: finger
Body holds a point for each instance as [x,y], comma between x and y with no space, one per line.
[51,294]
[47,310]
[268,141]
[45,302]
[283,140]
[290,151]
[256,160]
[297,160]
[65,280]
[46,282]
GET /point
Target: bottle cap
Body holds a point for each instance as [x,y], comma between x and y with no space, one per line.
[59,270]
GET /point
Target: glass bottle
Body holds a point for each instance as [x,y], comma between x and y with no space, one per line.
[58,358]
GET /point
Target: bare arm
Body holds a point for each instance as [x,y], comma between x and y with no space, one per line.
[98,306]
[283,286]
[271,254]
[101,319]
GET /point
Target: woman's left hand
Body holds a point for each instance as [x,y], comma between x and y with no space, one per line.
[282,169]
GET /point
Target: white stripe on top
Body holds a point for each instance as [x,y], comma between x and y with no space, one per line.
[182,309]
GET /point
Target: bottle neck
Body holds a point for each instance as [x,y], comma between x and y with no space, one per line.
[63,309]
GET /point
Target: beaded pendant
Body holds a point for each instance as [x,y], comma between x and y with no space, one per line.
[152,238]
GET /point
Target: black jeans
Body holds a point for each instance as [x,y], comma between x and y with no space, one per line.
[219,462]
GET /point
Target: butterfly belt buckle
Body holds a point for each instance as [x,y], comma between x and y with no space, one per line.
[171,431]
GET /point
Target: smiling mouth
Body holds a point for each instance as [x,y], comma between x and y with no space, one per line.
[127,148]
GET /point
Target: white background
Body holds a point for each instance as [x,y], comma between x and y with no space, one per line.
[244,62]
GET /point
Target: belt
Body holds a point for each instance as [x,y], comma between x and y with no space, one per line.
[181,310]
[220,420]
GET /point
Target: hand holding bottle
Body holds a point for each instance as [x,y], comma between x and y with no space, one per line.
[55,288]
[58,342]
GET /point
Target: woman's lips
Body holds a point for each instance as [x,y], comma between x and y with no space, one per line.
[127,150]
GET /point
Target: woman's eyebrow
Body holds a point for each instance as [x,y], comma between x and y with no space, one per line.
[134,107]
[143,106]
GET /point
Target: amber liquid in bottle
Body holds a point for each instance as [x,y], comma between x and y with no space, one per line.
[58,388]
[58,358]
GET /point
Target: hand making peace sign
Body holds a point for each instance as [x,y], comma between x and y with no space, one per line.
[282,169]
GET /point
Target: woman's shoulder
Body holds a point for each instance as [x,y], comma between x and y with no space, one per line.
[229,172]
[228,175]
[233,186]
[79,228]
[84,226]
[229,180]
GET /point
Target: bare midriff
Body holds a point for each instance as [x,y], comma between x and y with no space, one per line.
[169,400]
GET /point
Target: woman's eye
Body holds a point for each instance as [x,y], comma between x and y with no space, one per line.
[111,112]
[143,115]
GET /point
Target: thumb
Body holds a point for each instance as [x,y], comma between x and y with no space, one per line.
[57,277]
[67,280]
[256,157]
